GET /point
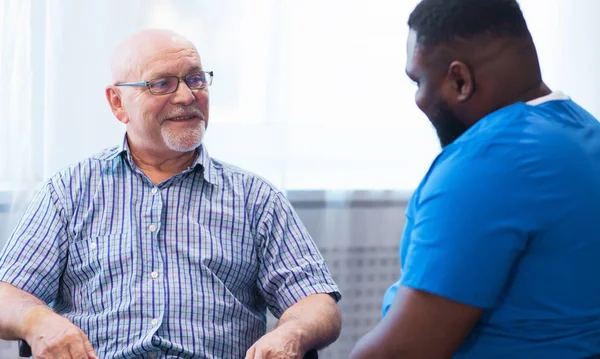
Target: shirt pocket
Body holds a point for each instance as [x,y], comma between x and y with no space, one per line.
[228,257]
[99,271]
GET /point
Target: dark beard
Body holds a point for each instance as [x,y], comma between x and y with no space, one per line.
[448,126]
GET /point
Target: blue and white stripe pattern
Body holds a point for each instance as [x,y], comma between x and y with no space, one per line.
[185,269]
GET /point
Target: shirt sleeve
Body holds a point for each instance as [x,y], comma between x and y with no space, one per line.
[472,223]
[291,266]
[388,298]
[34,256]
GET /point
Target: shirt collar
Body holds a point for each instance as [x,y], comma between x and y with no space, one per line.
[553,96]
[203,160]
[206,163]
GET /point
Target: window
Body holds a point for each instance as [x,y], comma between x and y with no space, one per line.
[309,94]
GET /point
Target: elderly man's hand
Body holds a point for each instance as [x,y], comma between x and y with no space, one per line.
[285,342]
[53,336]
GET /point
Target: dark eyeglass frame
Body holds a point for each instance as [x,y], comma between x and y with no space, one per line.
[208,76]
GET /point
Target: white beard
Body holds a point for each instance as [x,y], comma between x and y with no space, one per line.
[183,141]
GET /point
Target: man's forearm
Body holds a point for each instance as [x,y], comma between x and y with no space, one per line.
[316,319]
[16,309]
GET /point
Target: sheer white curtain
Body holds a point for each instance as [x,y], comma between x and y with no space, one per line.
[18,166]
[309,94]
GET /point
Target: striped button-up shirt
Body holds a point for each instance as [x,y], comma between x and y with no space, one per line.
[183,269]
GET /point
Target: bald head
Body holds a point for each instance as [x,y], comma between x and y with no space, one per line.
[131,56]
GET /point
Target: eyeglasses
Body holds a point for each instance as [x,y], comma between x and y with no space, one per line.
[169,84]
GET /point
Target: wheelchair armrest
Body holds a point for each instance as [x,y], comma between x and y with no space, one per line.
[311,354]
[25,351]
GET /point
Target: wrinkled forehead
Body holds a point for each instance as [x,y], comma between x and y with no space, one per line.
[145,54]
[175,59]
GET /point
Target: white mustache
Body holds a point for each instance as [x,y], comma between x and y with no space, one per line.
[184,112]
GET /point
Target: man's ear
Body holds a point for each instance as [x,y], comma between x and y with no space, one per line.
[461,81]
[113,95]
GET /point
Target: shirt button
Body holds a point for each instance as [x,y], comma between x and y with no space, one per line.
[154,190]
[154,275]
[152,228]
[93,245]
[153,355]
[154,322]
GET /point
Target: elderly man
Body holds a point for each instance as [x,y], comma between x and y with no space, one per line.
[500,254]
[155,249]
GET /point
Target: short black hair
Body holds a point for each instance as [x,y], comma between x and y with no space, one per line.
[440,21]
